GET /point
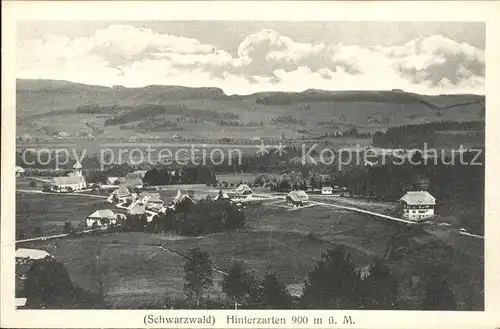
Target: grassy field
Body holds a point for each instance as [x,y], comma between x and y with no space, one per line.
[49,212]
[131,269]
[135,271]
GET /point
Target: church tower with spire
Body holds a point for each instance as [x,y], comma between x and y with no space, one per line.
[77,169]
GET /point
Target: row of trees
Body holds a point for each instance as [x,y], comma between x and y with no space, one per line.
[195,219]
[416,135]
[186,175]
[287,120]
[135,114]
[458,188]
[333,283]
[49,286]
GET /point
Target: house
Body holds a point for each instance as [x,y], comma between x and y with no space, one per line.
[19,171]
[114,180]
[418,205]
[69,183]
[136,208]
[102,217]
[297,198]
[151,198]
[243,191]
[155,208]
[133,183]
[327,190]
[182,197]
[221,196]
[122,194]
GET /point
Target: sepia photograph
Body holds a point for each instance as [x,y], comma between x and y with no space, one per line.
[249,165]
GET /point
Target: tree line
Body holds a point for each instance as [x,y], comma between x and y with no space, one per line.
[416,135]
[334,282]
[195,219]
[458,187]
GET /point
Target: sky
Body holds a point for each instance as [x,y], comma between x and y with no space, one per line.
[247,57]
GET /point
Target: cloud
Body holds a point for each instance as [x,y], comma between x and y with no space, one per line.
[263,61]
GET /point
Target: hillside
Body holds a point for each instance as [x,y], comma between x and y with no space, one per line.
[48,108]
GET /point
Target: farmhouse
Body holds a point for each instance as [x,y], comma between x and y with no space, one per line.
[122,194]
[101,217]
[136,208]
[155,208]
[221,196]
[151,198]
[326,190]
[19,171]
[182,197]
[243,191]
[297,198]
[114,180]
[418,205]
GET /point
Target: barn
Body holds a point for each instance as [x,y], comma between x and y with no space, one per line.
[243,190]
[101,217]
[297,198]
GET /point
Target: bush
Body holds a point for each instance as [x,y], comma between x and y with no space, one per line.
[37,231]
[68,228]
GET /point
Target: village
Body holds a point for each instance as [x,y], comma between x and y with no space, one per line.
[130,197]
[129,200]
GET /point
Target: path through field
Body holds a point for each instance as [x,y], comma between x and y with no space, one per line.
[63,194]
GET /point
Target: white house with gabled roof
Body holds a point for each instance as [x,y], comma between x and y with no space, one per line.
[418,205]
[243,191]
[102,217]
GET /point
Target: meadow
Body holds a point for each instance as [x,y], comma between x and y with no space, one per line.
[49,212]
[134,271]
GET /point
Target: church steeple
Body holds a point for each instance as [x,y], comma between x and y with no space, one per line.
[77,169]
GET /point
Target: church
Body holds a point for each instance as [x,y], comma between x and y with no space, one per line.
[74,181]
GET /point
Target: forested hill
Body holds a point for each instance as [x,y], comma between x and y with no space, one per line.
[48,108]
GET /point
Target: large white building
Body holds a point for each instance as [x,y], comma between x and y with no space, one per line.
[75,181]
[418,205]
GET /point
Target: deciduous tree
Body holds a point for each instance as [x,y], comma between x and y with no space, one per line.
[198,273]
